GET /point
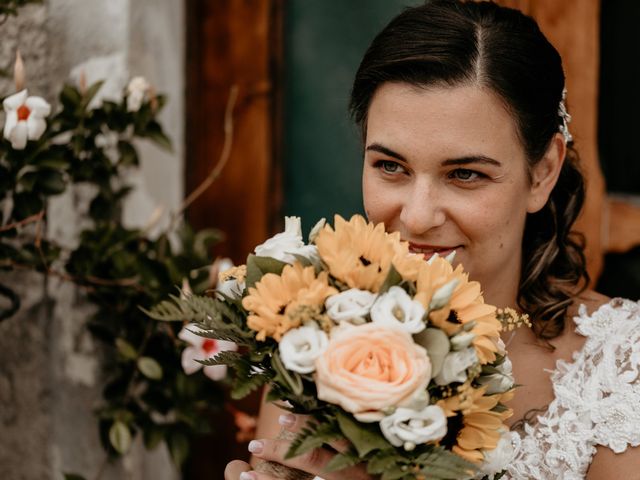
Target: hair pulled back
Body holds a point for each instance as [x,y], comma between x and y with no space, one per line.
[455,42]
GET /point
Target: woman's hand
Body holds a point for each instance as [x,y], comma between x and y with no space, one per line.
[274,450]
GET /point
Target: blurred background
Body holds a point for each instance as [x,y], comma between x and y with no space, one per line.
[294,151]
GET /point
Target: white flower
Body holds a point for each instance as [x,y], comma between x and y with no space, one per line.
[201,348]
[313,234]
[136,90]
[300,347]
[396,307]
[496,460]
[25,118]
[501,381]
[350,306]
[286,245]
[442,296]
[407,427]
[462,340]
[455,365]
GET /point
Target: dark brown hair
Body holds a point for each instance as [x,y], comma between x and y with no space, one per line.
[455,42]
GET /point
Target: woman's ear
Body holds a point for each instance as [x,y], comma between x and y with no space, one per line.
[544,175]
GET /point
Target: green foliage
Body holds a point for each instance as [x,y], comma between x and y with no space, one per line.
[10,7]
[122,271]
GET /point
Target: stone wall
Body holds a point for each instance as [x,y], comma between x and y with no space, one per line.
[49,365]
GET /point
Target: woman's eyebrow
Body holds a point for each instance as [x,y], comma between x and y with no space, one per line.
[471,159]
[376,147]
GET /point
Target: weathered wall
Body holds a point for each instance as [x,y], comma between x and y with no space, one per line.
[49,365]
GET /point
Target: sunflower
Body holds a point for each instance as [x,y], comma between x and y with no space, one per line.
[481,424]
[466,305]
[359,253]
[277,302]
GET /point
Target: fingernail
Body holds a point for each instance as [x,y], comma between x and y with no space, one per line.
[248,476]
[255,446]
[287,420]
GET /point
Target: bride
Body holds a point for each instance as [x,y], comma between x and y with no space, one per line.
[467,148]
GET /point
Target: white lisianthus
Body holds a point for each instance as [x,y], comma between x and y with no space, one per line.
[300,347]
[462,340]
[313,234]
[136,90]
[286,245]
[455,365]
[496,460]
[407,427]
[500,381]
[202,348]
[397,308]
[350,306]
[25,118]
[442,296]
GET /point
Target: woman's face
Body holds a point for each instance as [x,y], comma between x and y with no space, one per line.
[444,167]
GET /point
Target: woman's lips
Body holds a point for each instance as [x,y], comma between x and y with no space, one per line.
[429,250]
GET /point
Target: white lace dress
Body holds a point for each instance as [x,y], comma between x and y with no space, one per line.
[597,399]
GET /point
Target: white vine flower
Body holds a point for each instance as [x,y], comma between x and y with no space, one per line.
[136,91]
[25,118]
[201,348]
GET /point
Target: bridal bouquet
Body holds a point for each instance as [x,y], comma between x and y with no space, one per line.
[399,356]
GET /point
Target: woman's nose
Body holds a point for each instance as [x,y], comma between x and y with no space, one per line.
[422,211]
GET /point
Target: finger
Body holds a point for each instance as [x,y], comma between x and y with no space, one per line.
[294,423]
[313,461]
[253,475]
[234,469]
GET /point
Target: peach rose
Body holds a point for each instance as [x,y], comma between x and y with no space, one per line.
[369,368]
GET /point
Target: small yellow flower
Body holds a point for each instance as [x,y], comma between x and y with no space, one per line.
[481,424]
[238,274]
[277,301]
[360,254]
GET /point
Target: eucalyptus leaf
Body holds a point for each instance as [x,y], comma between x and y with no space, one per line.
[150,368]
[126,349]
[178,447]
[120,437]
[392,279]
[257,267]
[437,344]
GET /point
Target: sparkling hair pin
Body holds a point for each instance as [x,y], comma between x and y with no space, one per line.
[566,118]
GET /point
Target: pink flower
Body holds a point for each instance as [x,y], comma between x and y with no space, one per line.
[369,368]
[201,348]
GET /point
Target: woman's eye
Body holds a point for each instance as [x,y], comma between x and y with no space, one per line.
[465,175]
[388,166]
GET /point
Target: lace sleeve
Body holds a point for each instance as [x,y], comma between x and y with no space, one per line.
[613,349]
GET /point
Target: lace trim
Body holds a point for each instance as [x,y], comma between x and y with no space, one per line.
[596,399]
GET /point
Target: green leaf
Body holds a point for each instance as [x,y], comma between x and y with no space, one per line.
[222,358]
[382,461]
[366,437]
[342,461]
[70,97]
[155,134]
[243,386]
[178,447]
[128,154]
[73,476]
[259,266]
[442,464]
[120,437]
[150,368]
[126,349]
[50,182]
[90,93]
[311,436]
[26,204]
[153,434]
[392,279]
